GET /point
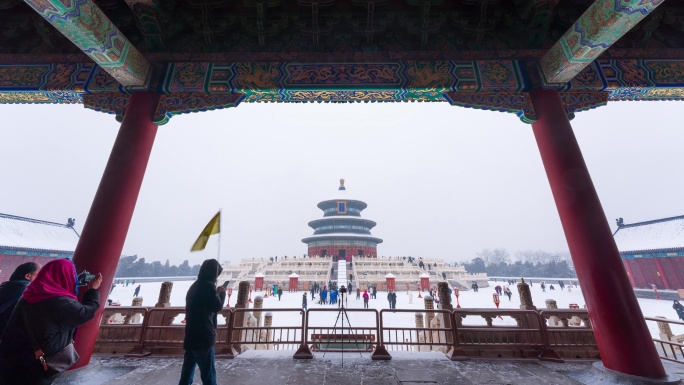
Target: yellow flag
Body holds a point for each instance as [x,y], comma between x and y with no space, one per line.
[213,227]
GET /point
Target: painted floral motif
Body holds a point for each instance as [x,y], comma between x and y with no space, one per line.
[496,73]
[433,75]
[666,72]
[189,77]
[88,28]
[23,77]
[340,74]
[342,96]
[603,23]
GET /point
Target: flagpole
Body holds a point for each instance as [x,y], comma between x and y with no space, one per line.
[218,257]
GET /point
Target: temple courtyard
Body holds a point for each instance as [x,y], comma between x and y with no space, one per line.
[467,299]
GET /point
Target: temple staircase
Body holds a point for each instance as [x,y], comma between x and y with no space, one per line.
[342,273]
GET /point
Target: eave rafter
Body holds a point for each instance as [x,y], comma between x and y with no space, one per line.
[84,24]
[601,25]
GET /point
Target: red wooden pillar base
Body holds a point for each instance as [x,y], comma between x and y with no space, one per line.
[618,323]
[105,229]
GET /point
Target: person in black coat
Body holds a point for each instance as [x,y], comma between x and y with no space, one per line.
[202,303]
[53,312]
[394,300]
[11,291]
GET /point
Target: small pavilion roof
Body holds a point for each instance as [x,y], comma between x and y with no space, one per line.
[259,275]
[390,275]
[658,234]
[34,234]
[293,275]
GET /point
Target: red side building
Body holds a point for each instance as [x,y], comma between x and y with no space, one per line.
[342,233]
[32,240]
[653,252]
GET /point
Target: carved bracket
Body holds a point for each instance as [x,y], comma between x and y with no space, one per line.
[519,103]
[169,105]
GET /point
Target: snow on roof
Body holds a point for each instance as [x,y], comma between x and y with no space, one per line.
[26,233]
[390,275]
[258,275]
[666,233]
[293,275]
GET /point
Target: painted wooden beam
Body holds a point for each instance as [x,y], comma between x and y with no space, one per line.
[595,31]
[82,22]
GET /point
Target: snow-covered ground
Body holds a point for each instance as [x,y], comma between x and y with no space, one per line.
[468,299]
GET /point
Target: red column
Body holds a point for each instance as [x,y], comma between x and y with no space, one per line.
[630,273]
[662,273]
[105,229]
[618,323]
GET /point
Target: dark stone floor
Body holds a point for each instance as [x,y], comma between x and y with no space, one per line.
[264,368]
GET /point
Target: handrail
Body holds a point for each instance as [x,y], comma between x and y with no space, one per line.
[533,336]
[672,347]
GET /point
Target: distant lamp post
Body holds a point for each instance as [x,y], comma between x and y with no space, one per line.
[456,293]
[229,292]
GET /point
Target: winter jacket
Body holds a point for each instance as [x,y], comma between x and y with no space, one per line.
[202,303]
[10,292]
[53,322]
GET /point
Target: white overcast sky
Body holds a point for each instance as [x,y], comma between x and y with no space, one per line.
[440,181]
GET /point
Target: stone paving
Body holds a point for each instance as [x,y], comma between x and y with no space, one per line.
[264,368]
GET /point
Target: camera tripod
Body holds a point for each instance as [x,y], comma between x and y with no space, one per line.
[341,315]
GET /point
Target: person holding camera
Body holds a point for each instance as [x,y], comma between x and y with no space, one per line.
[50,311]
[202,304]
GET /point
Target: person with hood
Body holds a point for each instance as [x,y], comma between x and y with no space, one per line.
[324,295]
[679,308]
[11,291]
[304,301]
[137,291]
[53,312]
[366,297]
[280,292]
[202,303]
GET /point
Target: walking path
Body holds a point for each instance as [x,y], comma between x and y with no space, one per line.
[270,367]
[342,273]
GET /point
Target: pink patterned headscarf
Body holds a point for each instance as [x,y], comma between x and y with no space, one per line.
[56,279]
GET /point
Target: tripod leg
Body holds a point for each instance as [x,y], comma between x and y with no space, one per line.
[356,341]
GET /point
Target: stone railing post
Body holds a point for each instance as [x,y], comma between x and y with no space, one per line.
[243,293]
[419,325]
[164,301]
[258,304]
[553,320]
